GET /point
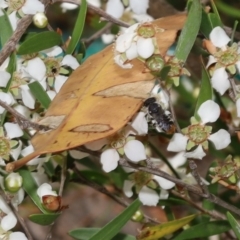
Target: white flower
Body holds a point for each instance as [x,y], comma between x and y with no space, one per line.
[45,189]
[17,236]
[134,43]
[9,221]
[197,134]
[122,144]
[147,196]
[224,58]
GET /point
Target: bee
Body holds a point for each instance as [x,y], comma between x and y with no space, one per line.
[160,119]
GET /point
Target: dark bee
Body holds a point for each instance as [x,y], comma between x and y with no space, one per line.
[161,119]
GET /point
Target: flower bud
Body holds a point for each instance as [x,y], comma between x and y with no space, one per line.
[40,20]
[51,203]
[138,216]
[13,182]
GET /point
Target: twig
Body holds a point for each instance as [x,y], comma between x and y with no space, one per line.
[63,177]
[7,199]
[23,121]
[193,167]
[196,190]
[103,190]
[212,214]
[97,34]
[10,45]
[173,112]
[99,11]
[233,88]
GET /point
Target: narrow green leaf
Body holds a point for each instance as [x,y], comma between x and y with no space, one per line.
[40,94]
[44,219]
[190,31]
[206,92]
[86,233]
[234,224]
[205,229]
[113,227]
[78,28]
[38,42]
[163,229]
[5,28]
[30,187]
[11,68]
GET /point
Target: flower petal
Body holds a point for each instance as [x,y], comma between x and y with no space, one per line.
[127,188]
[27,97]
[109,160]
[218,37]
[45,189]
[148,196]
[118,60]
[22,110]
[16,151]
[59,81]
[209,111]
[13,20]
[70,61]
[17,236]
[177,160]
[124,41]
[32,7]
[96,145]
[13,130]
[36,68]
[78,154]
[4,76]
[178,143]
[198,153]
[139,123]
[131,52]
[53,51]
[7,98]
[107,38]
[115,8]
[163,183]
[135,151]
[8,222]
[211,60]
[139,7]
[220,139]
[220,80]
[145,47]
[163,194]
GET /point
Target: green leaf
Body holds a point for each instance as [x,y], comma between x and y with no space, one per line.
[113,227]
[163,229]
[86,233]
[95,176]
[209,21]
[78,28]
[234,224]
[30,187]
[44,219]
[38,42]
[206,92]
[5,28]
[205,229]
[189,31]
[40,94]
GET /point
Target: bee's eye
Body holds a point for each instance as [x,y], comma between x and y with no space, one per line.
[153,108]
